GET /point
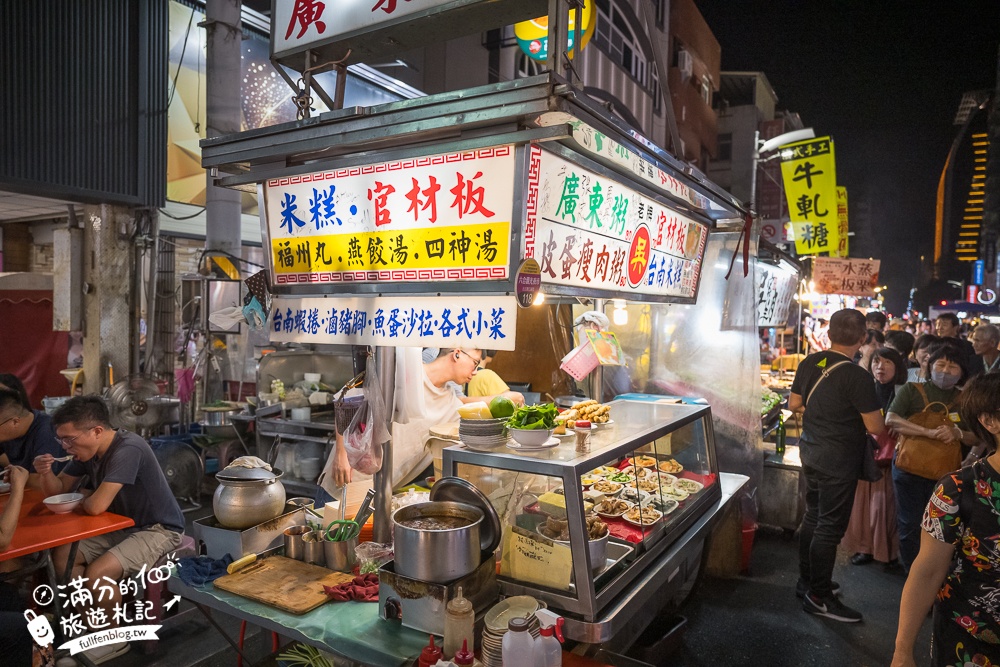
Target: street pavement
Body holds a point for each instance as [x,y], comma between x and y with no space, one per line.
[753,619]
[756,619]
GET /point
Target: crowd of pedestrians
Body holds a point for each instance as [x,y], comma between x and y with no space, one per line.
[882,410]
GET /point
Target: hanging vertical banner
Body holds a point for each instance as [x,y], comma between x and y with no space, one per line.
[809,172]
[842,219]
[775,288]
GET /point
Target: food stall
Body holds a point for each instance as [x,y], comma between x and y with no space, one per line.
[778,281]
[433,222]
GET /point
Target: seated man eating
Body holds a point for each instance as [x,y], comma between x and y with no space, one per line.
[24,434]
[124,478]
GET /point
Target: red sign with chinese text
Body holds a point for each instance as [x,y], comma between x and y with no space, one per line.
[638,256]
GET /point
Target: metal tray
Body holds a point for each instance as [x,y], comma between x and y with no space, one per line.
[220,541]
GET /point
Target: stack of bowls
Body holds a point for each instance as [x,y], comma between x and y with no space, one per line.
[495,625]
[483,434]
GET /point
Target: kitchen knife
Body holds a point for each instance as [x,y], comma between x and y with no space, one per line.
[365,510]
[239,564]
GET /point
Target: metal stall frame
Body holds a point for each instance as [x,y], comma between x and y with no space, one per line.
[539,110]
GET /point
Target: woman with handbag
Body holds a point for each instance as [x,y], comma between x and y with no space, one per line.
[956,569]
[930,436]
[871,534]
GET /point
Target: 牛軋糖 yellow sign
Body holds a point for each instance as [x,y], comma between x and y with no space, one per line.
[809,172]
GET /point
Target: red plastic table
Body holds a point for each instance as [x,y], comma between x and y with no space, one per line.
[39,529]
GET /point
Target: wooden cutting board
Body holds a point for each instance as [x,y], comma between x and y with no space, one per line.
[285,583]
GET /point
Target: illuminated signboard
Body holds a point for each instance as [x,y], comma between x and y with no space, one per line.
[442,217]
[587,230]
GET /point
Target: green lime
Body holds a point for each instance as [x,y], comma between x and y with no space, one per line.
[501,407]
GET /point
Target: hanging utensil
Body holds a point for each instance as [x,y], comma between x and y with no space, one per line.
[365,510]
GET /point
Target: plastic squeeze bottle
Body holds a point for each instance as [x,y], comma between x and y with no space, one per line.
[548,646]
[459,621]
[518,645]
[430,655]
[464,657]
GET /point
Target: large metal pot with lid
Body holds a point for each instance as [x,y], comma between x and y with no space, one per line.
[246,497]
[445,539]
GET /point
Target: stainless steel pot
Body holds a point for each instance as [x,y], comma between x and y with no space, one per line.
[220,416]
[437,556]
[246,497]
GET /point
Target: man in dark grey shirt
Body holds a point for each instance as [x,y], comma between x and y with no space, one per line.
[124,478]
[840,406]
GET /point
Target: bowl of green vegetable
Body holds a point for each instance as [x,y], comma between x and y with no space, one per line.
[532,425]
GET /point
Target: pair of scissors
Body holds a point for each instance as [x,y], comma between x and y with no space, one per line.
[341,530]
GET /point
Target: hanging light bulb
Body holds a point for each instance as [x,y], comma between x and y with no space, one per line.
[620,316]
[539,299]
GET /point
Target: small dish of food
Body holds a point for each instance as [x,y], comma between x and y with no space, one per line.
[649,485]
[671,466]
[673,493]
[642,516]
[642,461]
[665,506]
[611,508]
[639,473]
[607,487]
[620,478]
[688,485]
[603,471]
[633,495]
[589,480]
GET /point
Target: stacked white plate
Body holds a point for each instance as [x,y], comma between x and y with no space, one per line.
[495,626]
[483,434]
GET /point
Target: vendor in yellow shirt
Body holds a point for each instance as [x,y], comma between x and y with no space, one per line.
[486,382]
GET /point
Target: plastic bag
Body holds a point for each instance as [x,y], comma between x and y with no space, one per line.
[372,555]
[367,431]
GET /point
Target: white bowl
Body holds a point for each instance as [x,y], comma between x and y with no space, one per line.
[312,377]
[64,502]
[530,437]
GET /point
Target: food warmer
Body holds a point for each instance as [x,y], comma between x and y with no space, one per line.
[600,587]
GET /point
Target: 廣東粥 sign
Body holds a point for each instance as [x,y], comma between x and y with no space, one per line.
[587,230]
[363,29]
[434,218]
[483,322]
[809,172]
[851,277]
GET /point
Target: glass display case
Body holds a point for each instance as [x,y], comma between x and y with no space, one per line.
[582,523]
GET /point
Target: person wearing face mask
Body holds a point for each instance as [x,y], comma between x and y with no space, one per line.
[947,371]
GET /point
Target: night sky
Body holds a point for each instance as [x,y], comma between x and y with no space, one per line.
[884,79]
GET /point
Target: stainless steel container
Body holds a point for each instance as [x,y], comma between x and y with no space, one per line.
[220,416]
[340,555]
[314,548]
[295,543]
[437,556]
[247,496]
